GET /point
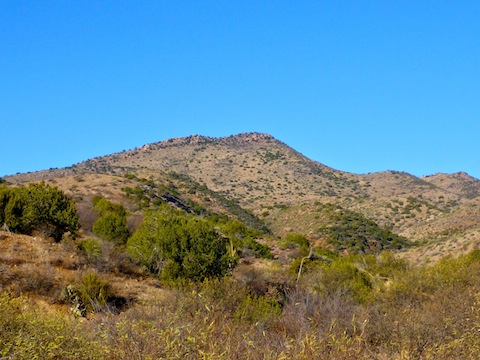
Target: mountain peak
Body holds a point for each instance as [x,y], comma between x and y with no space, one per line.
[253,136]
[194,140]
[459,183]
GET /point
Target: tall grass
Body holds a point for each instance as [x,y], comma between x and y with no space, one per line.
[394,311]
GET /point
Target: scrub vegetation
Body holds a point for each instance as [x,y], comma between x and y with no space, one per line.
[237,248]
[38,207]
[362,307]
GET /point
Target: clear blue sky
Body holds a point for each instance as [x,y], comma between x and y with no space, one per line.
[361,86]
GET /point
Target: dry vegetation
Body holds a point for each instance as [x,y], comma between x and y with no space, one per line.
[42,267]
[363,307]
[262,174]
[418,303]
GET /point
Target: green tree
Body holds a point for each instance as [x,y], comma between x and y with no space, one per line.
[177,245]
[4,198]
[38,207]
[50,210]
[112,222]
[14,209]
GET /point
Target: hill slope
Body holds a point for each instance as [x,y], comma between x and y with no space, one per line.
[261,174]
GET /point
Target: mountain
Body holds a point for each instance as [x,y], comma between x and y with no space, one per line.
[459,183]
[257,177]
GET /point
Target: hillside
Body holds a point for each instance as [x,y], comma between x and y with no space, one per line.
[237,247]
[260,176]
[254,168]
[42,268]
[459,183]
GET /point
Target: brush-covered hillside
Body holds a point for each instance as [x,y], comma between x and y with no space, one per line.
[259,179]
[237,248]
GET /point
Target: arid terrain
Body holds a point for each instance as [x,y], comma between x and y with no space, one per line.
[280,186]
[312,262]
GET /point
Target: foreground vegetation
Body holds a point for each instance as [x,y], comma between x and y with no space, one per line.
[372,307]
[205,286]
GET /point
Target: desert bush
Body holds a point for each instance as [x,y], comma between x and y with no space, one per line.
[360,277]
[91,295]
[105,257]
[20,278]
[33,279]
[222,294]
[308,265]
[112,222]
[401,312]
[91,249]
[342,275]
[86,215]
[38,207]
[176,245]
[442,323]
[94,292]
[115,260]
[296,240]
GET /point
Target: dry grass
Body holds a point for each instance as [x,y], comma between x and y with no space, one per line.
[43,268]
[423,314]
[258,313]
[86,186]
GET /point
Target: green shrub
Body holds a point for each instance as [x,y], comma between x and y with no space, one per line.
[242,239]
[129,176]
[307,264]
[5,194]
[296,240]
[474,256]
[261,250]
[112,227]
[38,207]
[177,245]
[91,248]
[94,292]
[112,222]
[353,276]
